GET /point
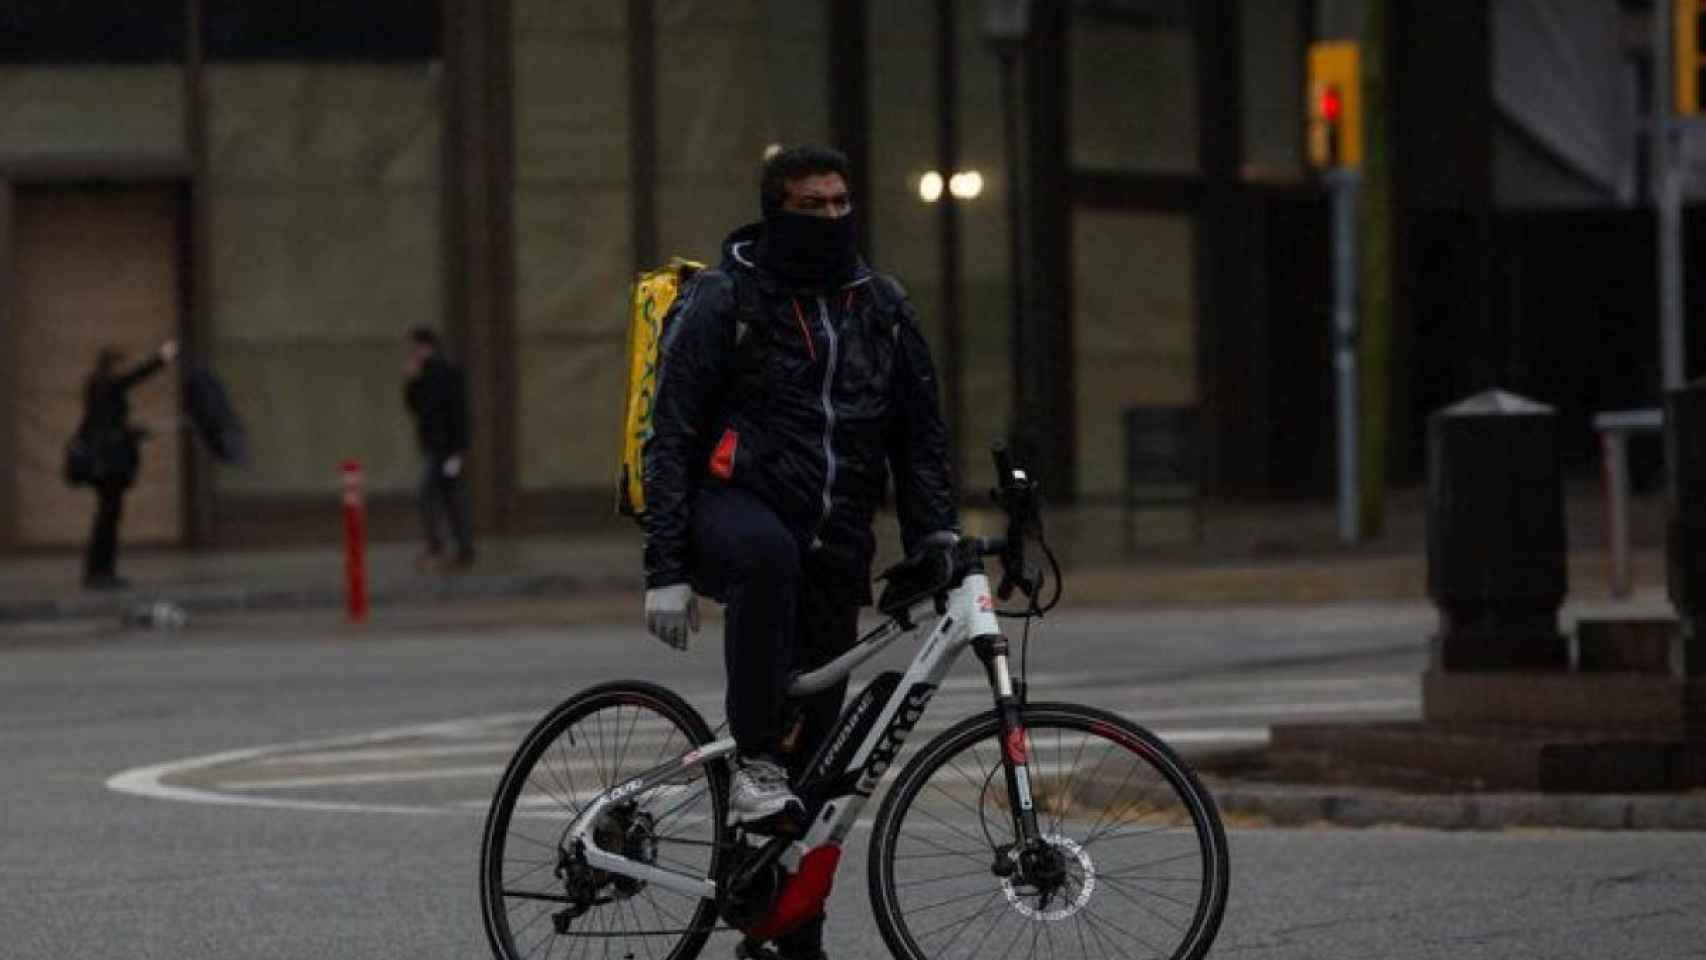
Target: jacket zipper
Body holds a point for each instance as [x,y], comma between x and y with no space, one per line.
[828,422]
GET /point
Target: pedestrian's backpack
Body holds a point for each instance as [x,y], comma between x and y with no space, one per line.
[654,292]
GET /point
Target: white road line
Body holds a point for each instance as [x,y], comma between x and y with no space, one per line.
[152,780]
[363,779]
[383,755]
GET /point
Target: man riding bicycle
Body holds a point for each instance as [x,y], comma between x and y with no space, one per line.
[793,381]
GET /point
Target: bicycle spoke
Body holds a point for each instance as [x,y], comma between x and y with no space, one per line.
[982,908]
[1096,918]
[1066,788]
[946,850]
[1145,907]
[985,872]
[623,754]
[948,902]
[1119,883]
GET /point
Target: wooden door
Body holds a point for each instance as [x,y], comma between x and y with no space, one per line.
[95,266]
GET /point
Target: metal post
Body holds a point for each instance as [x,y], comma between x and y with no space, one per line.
[1343,184]
[1667,200]
[1614,445]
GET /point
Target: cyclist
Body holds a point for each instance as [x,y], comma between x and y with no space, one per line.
[793,379]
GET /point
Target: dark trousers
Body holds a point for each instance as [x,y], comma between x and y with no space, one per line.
[101,557]
[782,617]
[443,502]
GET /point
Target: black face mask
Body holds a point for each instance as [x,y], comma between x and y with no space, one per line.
[809,249]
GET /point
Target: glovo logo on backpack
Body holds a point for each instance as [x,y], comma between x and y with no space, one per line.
[653,294]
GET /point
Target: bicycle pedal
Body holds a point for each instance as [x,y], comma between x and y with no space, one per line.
[789,822]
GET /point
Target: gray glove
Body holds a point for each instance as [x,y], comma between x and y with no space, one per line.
[671,612]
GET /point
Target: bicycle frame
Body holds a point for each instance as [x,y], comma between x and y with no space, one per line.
[966,618]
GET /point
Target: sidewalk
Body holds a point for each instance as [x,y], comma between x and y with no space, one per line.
[1251,553]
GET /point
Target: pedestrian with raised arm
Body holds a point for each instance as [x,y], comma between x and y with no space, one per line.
[113,446]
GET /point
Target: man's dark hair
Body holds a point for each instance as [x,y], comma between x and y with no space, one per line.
[792,164]
[425,336]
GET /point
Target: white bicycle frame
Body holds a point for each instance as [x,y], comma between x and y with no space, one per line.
[967,616]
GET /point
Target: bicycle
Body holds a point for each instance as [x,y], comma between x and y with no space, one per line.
[1020,815]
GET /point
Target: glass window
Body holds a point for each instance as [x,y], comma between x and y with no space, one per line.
[91,31]
[1134,95]
[322,30]
[1133,330]
[1273,89]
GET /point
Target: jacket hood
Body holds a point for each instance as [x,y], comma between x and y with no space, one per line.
[740,254]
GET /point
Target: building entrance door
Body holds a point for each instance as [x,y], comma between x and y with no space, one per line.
[94,266]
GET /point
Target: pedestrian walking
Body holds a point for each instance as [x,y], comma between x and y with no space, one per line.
[113,449]
[437,398]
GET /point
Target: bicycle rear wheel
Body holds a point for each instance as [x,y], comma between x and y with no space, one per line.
[538,897]
[1136,856]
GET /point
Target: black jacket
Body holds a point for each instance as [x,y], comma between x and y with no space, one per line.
[106,400]
[106,426]
[809,399]
[439,403]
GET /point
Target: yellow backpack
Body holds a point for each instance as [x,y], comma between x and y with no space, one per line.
[654,292]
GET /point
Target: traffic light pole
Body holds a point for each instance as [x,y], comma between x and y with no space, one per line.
[1342,183]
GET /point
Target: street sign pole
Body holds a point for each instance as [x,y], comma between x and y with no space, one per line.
[1667,198]
[1343,183]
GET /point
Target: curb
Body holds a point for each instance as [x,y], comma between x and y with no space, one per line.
[1304,805]
[320,596]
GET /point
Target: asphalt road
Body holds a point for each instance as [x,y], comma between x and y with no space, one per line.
[286,787]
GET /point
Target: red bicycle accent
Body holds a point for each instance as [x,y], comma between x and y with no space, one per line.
[802,895]
[1119,736]
[1016,745]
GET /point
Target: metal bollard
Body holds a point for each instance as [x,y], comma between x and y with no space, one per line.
[1496,541]
[1685,528]
[355,542]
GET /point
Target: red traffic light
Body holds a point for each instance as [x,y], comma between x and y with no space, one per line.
[1332,105]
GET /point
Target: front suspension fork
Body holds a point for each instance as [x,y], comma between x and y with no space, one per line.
[1015,756]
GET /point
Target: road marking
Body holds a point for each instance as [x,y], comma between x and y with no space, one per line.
[360,779]
[152,780]
[329,758]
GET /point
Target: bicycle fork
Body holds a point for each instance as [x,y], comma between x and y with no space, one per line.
[1015,759]
[1032,859]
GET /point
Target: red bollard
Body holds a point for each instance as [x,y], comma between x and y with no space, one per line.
[355,538]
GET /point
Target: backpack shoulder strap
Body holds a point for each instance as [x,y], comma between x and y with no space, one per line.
[891,297]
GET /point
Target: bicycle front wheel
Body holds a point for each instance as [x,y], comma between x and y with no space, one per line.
[539,897]
[1134,863]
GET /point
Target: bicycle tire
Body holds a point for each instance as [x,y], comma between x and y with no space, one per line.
[1182,818]
[540,779]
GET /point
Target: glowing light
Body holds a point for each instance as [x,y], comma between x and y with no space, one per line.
[930,187]
[771,151]
[966,185]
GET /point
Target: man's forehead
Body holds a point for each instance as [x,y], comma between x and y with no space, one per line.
[817,185]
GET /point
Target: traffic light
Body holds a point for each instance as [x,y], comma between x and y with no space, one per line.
[1335,105]
[1687,57]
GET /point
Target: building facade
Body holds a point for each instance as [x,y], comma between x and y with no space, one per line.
[290,187]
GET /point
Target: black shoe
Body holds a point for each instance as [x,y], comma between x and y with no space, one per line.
[105,581]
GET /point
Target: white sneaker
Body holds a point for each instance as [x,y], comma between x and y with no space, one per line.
[759,790]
